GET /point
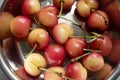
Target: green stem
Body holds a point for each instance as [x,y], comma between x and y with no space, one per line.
[88,37]
[58,73]
[61,7]
[95,34]
[79,57]
[91,50]
[36,21]
[92,40]
[75,23]
[106,22]
[33,49]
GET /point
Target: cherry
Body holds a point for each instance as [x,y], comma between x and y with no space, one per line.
[40,37]
[102,43]
[61,32]
[30,7]
[5,20]
[98,20]
[19,27]
[93,62]
[74,47]
[84,7]
[32,62]
[47,16]
[55,55]
[66,4]
[76,71]
[54,73]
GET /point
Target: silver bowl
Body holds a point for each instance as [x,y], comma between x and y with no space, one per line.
[12,52]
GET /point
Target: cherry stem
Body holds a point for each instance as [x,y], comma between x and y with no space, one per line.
[91,50]
[75,23]
[79,57]
[94,37]
[59,74]
[96,34]
[33,49]
[106,22]
[92,10]
[88,37]
[36,21]
[61,7]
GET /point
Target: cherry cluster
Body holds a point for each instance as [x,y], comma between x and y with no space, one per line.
[66,56]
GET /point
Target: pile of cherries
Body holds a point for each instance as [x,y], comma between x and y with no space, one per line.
[65,55]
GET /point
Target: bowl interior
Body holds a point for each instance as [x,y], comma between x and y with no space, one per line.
[13,52]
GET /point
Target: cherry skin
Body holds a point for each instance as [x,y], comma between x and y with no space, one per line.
[55,55]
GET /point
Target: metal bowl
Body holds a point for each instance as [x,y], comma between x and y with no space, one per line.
[12,52]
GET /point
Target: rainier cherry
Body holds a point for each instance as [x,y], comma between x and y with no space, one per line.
[76,71]
[51,74]
[93,62]
[33,62]
[40,37]
[74,47]
[61,32]
[5,20]
[84,7]
[98,20]
[30,7]
[47,16]
[102,43]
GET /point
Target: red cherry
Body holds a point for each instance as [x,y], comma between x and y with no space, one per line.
[74,47]
[104,44]
[55,55]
